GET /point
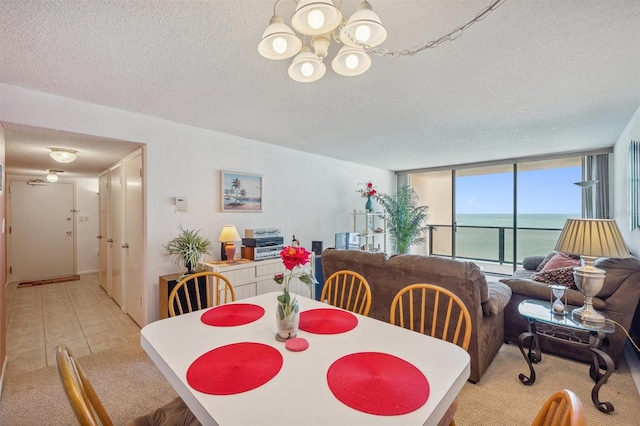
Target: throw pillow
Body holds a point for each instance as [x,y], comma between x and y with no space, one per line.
[561,260]
[551,255]
[545,260]
[556,276]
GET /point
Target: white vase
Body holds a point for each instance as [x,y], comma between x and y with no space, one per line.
[287,320]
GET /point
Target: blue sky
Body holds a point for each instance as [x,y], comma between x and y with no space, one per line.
[539,191]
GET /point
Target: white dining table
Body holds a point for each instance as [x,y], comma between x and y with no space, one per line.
[299,393]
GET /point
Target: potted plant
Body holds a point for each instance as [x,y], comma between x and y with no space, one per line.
[406,221]
[188,248]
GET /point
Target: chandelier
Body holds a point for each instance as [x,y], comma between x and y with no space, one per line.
[320,22]
[319,19]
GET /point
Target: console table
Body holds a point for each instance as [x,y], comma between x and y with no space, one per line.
[544,323]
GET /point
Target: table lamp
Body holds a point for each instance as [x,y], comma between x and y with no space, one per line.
[228,236]
[591,239]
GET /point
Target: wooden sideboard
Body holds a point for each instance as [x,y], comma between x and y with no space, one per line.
[248,277]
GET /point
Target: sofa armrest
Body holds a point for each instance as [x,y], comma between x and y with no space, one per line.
[531,263]
[499,296]
[540,291]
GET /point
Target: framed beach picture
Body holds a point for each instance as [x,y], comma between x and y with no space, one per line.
[240,192]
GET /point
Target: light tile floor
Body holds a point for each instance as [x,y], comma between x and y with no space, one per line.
[77,313]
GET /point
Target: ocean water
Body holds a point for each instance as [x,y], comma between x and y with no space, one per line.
[489,237]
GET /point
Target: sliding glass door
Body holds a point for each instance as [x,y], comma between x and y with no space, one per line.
[484,217]
[473,212]
[435,190]
[547,197]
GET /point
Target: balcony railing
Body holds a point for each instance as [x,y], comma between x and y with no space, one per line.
[491,243]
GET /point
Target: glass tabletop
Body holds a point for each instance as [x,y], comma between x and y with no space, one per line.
[540,310]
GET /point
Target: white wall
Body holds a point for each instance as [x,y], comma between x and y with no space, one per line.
[304,194]
[620,182]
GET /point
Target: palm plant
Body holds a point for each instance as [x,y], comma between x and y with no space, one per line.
[188,248]
[406,222]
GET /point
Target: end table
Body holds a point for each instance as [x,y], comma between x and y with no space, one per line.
[543,322]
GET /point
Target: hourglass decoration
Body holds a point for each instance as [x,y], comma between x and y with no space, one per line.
[558,299]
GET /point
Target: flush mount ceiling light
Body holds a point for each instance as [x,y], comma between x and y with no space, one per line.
[53,175]
[323,22]
[63,155]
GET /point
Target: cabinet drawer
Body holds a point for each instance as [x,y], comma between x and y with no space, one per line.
[240,276]
[269,269]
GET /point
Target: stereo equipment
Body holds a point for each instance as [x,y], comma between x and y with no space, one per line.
[261,253]
[263,242]
[262,232]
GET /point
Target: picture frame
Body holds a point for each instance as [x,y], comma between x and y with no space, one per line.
[240,192]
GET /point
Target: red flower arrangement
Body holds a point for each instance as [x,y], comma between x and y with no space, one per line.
[293,257]
[367,190]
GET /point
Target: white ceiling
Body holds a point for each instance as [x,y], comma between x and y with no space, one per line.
[533,77]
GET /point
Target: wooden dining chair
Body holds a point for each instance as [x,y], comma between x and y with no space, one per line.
[433,310]
[437,312]
[563,408]
[88,408]
[193,293]
[347,290]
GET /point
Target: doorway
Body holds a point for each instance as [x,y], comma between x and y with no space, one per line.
[41,230]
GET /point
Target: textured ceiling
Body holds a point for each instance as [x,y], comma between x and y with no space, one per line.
[533,77]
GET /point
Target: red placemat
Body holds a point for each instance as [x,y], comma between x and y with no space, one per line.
[232,314]
[234,368]
[378,383]
[327,321]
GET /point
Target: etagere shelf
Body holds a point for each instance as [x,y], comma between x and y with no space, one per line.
[372,228]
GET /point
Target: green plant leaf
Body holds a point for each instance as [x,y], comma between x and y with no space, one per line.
[406,221]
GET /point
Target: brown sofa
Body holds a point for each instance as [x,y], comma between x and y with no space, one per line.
[387,275]
[617,300]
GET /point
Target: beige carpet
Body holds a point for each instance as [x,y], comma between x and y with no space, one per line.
[126,380]
[500,399]
[130,385]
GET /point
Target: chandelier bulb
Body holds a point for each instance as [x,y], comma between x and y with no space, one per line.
[315,19]
[307,69]
[351,62]
[279,45]
[363,33]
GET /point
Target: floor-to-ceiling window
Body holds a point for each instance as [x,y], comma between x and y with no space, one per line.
[475,210]
[484,214]
[547,197]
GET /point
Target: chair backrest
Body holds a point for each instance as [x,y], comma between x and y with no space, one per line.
[347,290]
[433,310]
[81,395]
[193,292]
[563,408]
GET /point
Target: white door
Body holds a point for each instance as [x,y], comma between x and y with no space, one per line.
[103,233]
[115,234]
[134,241]
[42,239]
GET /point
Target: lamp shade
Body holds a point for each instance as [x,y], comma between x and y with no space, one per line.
[364,26]
[592,237]
[229,233]
[52,177]
[306,67]
[63,155]
[315,17]
[351,61]
[279,41]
